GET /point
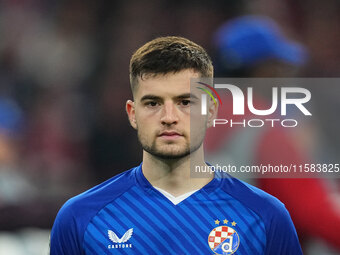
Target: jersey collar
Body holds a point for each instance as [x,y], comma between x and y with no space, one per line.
[146,185]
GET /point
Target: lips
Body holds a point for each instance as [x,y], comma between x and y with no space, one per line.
[170,134]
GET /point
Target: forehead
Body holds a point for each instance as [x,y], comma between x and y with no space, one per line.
[165,85]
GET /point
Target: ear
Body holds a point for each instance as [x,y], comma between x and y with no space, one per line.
[130,110]
[212,112]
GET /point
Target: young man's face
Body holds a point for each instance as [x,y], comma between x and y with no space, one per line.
[161,115]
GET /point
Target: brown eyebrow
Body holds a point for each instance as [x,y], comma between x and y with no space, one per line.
[153,97]
[150,97]
[187,95]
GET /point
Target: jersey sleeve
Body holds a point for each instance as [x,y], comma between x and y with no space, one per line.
[282,238]
[65,237]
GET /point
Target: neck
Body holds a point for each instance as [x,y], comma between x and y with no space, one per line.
[173,175]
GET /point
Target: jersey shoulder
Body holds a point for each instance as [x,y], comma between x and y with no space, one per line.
[105,192]
[263,204]
[281,236]
[74,216]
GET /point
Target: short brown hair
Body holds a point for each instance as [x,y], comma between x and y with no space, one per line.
[169,54]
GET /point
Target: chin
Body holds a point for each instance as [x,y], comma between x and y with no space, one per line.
[172,155]
[168,153]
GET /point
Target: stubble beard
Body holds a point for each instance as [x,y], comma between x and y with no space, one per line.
[168,153]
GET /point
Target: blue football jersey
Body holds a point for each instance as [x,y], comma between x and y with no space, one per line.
[126,215]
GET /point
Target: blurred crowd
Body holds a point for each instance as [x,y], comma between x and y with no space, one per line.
[64,82]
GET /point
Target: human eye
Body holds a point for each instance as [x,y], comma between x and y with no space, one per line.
[185,102]
[151,103]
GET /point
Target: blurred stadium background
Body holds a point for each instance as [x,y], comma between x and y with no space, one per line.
[64,82]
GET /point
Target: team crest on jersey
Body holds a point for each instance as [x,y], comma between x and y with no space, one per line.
[224,240]
[120,242]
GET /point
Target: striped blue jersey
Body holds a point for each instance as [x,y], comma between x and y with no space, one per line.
[126,215]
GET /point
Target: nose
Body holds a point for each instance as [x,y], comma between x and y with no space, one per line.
[169,114]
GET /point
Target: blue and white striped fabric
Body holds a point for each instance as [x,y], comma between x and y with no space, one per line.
[126,215]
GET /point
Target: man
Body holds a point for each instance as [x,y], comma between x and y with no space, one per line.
[156,208]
